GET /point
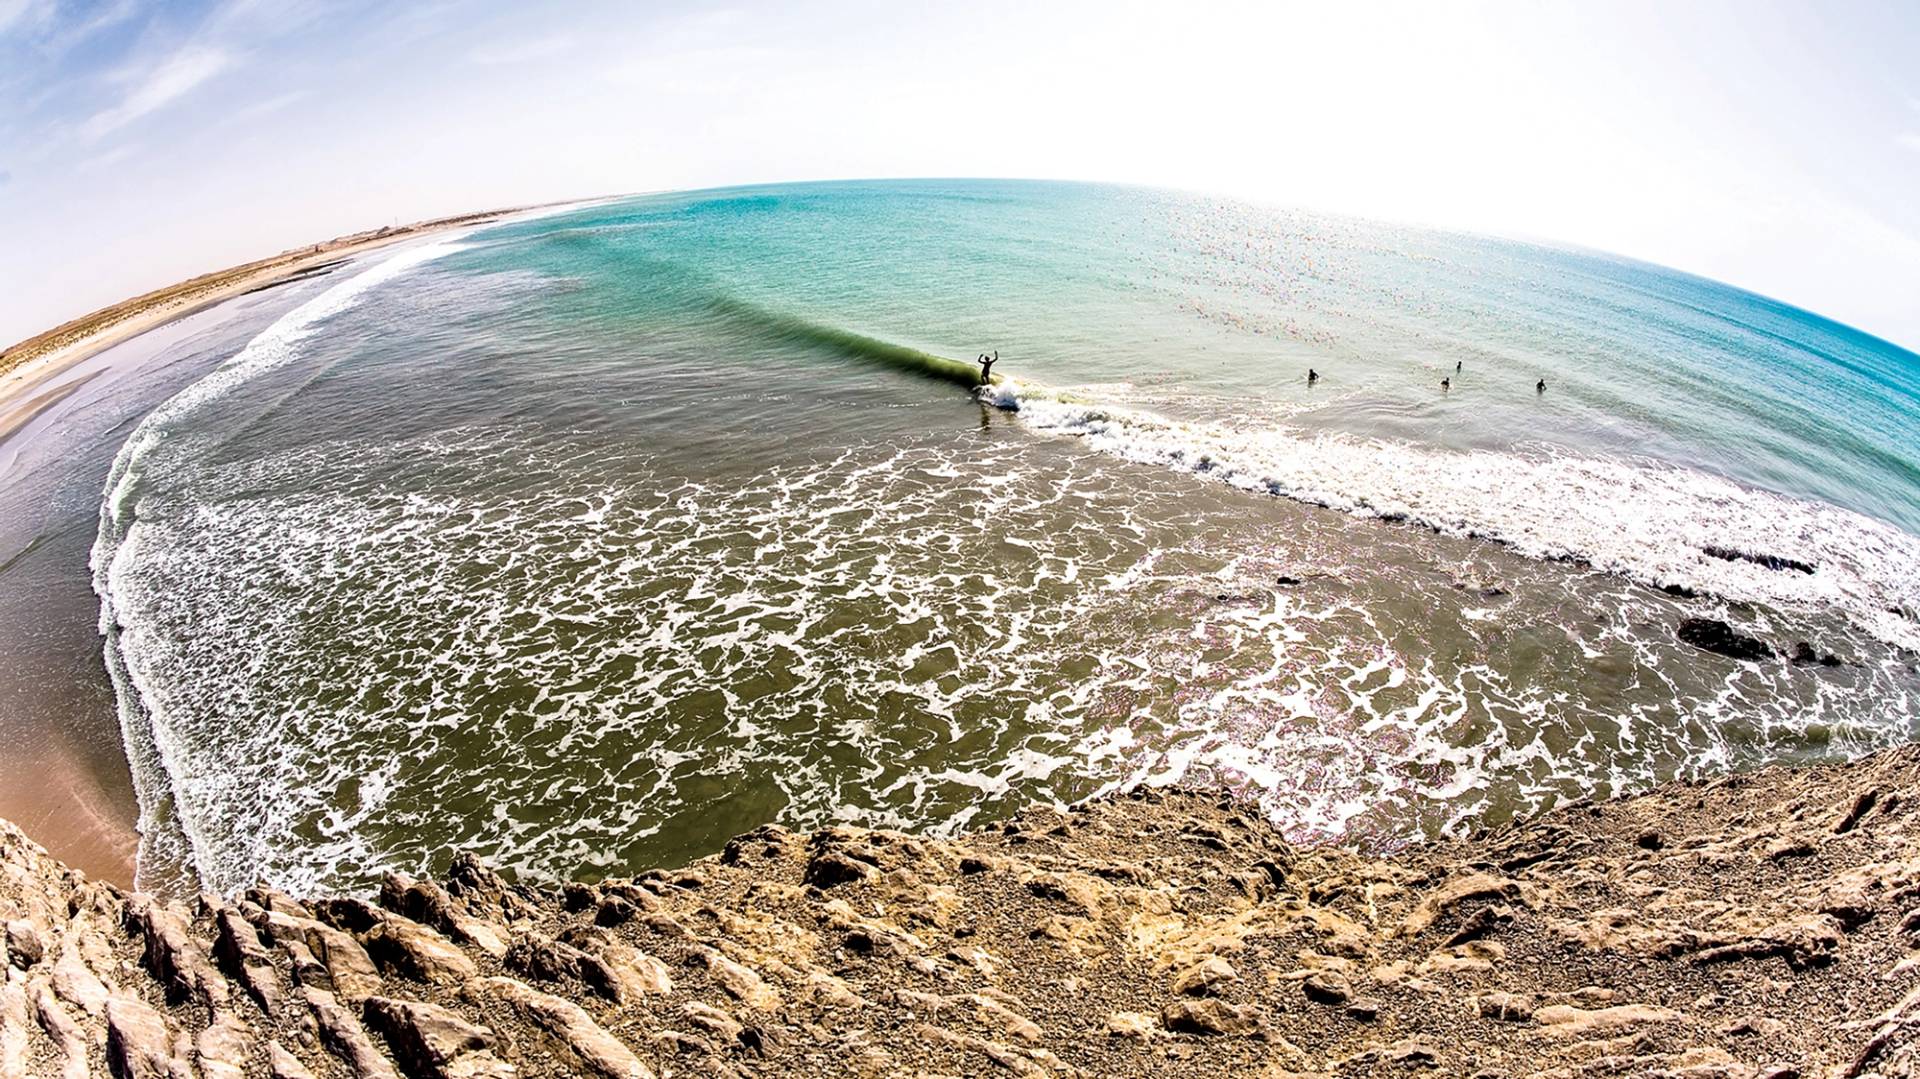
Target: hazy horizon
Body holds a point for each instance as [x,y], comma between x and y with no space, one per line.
[1772,147]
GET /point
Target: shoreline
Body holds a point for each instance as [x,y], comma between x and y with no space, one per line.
[34,361]
[1756,926]
[59,787]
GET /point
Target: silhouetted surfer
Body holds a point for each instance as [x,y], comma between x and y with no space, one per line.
[1312,376]
[1456,366]
[986,365]
[1446,384]
[1540,386]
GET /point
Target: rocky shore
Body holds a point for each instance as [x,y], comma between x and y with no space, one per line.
[1759,925]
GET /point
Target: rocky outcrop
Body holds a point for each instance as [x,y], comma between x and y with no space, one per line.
[1714,635]
[1765,925]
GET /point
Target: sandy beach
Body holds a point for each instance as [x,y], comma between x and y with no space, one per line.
[32,363]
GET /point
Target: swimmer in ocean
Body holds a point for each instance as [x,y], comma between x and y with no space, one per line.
[1312,376]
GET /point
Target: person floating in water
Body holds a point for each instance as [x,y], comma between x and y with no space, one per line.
[986,365]
[1446,384]
[1540,386]
[1312,376]
[1456,366]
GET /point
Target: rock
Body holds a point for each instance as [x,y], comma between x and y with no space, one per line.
[830,868]
[1649,840]
[477,887]
[1769,561]
[1000,1017]
[23,945]
[713,1020]
[1567,1021]
[1808,940]
[1452,894]
[615,911]
[1204,976]
[1208,1015]
[569,1029]
[74,983]
[350,971]
[1478,924]
[1805,655]
[430,905]
[284,1065]
[431,1042]
[1508,1007]
[138,1043]
[412,950]
[344,1037]
[1365,1009]
[621,974]
[1856,810]
[175,957]
[1713,635]
[224,1047]
[65,1034]
[740,983]
[1327,987]
[14,1036]
[275,902]
[1413,1052]
[239,952]
[635,973]
[1131,1025]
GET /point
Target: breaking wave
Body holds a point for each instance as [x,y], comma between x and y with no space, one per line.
[1668,526]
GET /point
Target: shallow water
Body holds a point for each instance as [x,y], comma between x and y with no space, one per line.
[589,541]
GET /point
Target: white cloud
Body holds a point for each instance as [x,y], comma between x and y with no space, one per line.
[171,79]
[1908,139]
[268,106]
[521,52]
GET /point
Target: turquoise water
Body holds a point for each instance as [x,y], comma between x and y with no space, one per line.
[589,540]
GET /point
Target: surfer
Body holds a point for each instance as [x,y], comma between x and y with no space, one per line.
[1540,386]
[986,365]
[1446,384]
[1312,376]
[1456,366]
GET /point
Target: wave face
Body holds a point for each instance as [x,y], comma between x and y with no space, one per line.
[589,542]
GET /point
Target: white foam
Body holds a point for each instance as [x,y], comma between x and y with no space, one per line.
[154,751]
[1646,520]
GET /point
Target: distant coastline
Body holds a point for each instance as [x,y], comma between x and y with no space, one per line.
[28,363]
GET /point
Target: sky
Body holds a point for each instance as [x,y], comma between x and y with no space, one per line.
[1774,146]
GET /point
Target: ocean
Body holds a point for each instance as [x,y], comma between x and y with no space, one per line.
[587,541]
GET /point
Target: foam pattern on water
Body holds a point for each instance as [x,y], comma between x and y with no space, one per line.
[1654,522]
[578,675]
